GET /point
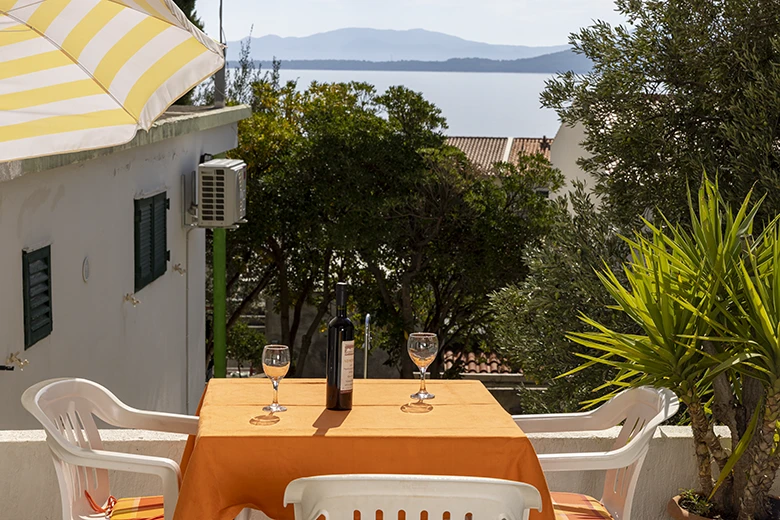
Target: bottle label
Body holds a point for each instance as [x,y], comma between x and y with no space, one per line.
[347,365]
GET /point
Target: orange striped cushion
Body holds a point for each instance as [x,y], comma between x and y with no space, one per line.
[574,506]
[138,508]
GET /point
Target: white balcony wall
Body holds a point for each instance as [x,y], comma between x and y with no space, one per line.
[28,486]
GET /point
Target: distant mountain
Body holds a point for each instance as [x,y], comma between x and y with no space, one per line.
[548,64]
[383,45]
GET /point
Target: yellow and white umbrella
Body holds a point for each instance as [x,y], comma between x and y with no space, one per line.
[83,74]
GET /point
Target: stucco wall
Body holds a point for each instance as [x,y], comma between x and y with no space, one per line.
[565,151]
[151,355]
[28,486]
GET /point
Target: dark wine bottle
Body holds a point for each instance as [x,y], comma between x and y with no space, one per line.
[341,355]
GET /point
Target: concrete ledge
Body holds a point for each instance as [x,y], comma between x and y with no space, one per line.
[505,379]
[29,488]
[174,123]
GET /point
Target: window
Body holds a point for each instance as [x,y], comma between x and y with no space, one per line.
[543,192]
[151,242]
[36,281]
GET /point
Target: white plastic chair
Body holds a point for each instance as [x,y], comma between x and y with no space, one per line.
[65,408]
[337,497]
[640,410]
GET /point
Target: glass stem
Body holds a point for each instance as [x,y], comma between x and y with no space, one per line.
[422,381]
[276,390]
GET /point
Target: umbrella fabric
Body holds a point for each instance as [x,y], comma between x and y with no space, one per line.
[84,74]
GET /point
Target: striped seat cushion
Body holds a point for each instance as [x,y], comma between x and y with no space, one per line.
[574,506]
[138,508]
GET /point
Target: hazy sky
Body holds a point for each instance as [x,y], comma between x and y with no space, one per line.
[518,22]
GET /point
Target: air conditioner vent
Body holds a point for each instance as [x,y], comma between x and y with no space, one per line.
[221,193]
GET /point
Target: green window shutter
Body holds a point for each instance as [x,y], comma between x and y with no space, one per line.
[36,281]
[160,237]
[144,273]
[151,239]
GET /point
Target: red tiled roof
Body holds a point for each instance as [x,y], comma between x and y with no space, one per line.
[530,146]
[476,363]
[484,152]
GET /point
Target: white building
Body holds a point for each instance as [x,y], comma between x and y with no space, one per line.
[99,278]
[565,150]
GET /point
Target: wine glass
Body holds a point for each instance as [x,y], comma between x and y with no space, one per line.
[422,347]
[276,363]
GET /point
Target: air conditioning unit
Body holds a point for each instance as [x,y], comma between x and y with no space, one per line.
[221,193]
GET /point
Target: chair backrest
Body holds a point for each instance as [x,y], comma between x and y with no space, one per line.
[345,497]
[641,410]
[66,409]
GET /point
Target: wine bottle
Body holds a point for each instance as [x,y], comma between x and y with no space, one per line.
[341,355]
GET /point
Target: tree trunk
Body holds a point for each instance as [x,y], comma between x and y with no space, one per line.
[303,296]
[284,301]
[322,308]
[763,463]
[700,425]
[262,284]
[753,392]
[724,410]
[309,335]
[407,313]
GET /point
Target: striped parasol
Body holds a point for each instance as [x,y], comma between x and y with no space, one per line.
[84,74]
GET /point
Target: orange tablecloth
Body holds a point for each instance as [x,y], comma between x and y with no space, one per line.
[232,464]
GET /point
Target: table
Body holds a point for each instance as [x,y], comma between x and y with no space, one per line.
[232,464]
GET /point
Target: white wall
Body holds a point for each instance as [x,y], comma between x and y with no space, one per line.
[565,151]
[152,355]
[28,486]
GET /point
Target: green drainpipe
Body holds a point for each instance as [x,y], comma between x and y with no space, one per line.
[220,297]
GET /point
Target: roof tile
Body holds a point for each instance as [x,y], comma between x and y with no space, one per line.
[475,362]
[484,152]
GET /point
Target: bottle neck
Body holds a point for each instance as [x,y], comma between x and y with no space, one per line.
[341,300]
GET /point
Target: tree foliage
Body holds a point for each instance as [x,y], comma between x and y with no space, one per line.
[706,303]
[458,236]
[188,8]
[531,319]
[245,346]
[686,86]
[347,183]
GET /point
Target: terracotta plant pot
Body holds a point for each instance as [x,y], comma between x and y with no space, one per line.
[678,513]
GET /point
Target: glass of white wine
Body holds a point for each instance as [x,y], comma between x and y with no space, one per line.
[276,363]
[423,347]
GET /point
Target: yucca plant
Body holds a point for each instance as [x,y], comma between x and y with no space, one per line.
[699,296]
[752,325]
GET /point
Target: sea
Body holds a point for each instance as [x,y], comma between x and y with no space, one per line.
[475,104]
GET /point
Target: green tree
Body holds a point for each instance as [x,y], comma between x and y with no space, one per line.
[188,8]
[454,238]
[245,346]
[706,301]
[345,183]
[308,153]
[531,319]
[686,86]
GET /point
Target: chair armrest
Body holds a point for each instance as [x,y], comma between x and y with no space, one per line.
[161,422]
[562,422]
[136,419]
[593,461]
[167,469]
[103,459]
